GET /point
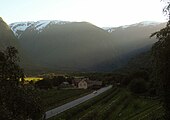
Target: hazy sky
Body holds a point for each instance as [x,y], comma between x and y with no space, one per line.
[102,13]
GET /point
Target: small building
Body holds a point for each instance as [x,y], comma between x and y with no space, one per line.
[84,83]
[65,83]
[97,84]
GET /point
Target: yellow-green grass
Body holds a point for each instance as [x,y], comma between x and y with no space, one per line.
[33,78]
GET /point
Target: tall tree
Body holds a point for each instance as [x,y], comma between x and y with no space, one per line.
[16,102]
[161,60]
[10,70]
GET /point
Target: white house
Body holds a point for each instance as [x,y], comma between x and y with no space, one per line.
[84,83]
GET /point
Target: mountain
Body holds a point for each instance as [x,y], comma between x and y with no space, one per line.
[81,46]
[134,39]
[59,45]
[19,27]
[7,38]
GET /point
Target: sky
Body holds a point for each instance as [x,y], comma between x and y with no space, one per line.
[103,13]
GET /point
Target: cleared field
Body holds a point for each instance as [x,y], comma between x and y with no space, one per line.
[114,104]
[53,97]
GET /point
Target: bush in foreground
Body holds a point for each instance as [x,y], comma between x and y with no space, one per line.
[138,86]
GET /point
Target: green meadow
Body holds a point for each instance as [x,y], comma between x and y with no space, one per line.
[114,104]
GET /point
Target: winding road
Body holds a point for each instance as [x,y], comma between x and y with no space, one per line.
[74,103]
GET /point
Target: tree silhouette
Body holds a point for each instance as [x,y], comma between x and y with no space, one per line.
[16,102]
[161,61]
[10,70]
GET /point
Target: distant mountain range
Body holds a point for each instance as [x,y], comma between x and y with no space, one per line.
[134,39]
[81,46]
[69,46]
[19,27]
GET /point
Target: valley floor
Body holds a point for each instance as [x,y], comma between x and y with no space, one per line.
[76,102]
[53,98]
[114,104]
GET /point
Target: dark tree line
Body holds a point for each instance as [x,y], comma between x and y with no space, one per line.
[16,102]
[48,83]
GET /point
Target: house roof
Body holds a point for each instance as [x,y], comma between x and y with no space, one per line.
[97,82]
[77,80]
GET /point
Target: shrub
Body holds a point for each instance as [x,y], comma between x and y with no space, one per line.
[138,86]
[43,84]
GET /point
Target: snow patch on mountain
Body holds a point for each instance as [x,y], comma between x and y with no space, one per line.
[41,24]
[141,24]
[147,23]
[20,27]
[108,29]
[59,22]
[111,30]
[125,26]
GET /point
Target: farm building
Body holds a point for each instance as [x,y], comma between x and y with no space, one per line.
[84,83]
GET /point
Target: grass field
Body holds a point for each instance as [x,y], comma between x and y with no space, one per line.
[53,97]
[32,78]
[114,104]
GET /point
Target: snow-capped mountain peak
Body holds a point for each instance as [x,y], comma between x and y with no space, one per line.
[147,23]
[141,24]
[20,27]
[39,25]
[59,22]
